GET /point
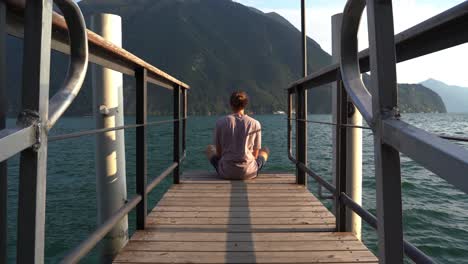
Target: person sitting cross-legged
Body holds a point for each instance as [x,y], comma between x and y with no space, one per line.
[237,153]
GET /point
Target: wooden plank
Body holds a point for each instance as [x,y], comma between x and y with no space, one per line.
[237,190]
[231,204]
[260,198]
[236,246]
[245,237]
[201,181]
[243,214]
[266,220]
[239,221]
[312,208]
[266,186]
[244,257]
[234,195]
[243,228]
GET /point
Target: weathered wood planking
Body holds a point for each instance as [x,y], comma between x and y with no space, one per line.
[266,220]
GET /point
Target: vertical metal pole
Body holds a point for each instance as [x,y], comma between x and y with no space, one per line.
[384,104]
[301,106]
[353,141]
[336,36]
[33,161]
[184,122]
[301,134]
[289,124]
[141,159]
[341,136]
[354,169]
[304,38]
[3,165]
[111,183]
[176,133]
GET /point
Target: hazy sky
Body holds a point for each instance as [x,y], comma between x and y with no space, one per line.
[449,66]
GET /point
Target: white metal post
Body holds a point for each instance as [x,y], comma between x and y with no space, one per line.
[354,140]
[354,170]
[110,146]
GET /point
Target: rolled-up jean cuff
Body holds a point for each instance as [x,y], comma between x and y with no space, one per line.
[260,162]
[215,162]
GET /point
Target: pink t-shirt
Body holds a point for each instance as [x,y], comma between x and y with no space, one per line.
[238,136]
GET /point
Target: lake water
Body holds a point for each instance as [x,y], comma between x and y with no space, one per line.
[435,213]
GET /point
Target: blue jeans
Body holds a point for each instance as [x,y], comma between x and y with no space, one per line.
[260,162]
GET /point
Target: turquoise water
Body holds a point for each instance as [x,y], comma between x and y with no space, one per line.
[435,213]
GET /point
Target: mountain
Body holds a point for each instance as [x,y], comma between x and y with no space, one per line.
[454,97]
[216,46]
[416,98]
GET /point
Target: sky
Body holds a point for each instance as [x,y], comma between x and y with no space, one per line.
[449,66]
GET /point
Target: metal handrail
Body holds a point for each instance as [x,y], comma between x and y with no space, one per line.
[452,138]
[411,251]
[103,130]
[437,33]
[91,241]
[33,126]
[434,34]
[328,123]
[78,61]
[101,231]
[101,51]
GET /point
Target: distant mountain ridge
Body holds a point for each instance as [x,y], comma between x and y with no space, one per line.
[216,46]
[416,98]
[454,97]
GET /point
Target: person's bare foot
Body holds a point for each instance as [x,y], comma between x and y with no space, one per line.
[210,151]
[264,152]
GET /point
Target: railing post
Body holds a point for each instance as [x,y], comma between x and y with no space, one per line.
[3,112]
[354,168]
[340,116]
[340,154]
[141,159]
[176,146]
[301,106]
[184,122]
[301,134]
[111,185]
[304,38]
[33,161]
[336,33]
[385,106]
[289,123]
[353,157]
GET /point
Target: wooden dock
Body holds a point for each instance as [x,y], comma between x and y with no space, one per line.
[266,220]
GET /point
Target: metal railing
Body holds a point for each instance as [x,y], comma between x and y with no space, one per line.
[43,30]
[379,107]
